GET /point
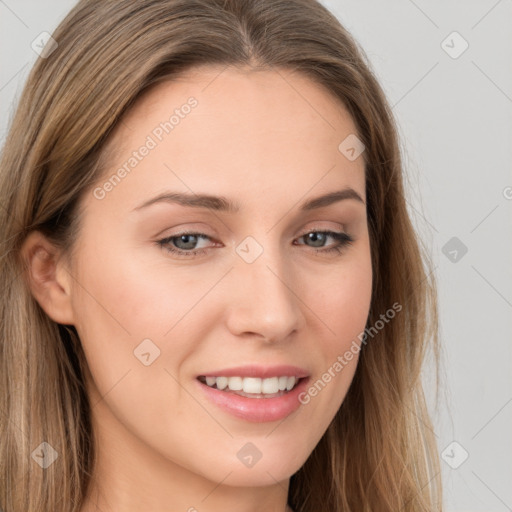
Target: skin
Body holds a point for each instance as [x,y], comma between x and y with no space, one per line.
[268,140]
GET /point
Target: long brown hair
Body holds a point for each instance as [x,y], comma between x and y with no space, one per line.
[379,453]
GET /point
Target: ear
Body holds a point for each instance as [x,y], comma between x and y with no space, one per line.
[49,279]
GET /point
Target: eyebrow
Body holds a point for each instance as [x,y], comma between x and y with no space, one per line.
[223,204]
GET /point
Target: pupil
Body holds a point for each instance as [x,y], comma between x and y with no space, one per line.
[316,237]
[184,238]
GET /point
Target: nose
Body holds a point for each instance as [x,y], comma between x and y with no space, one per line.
[264,301]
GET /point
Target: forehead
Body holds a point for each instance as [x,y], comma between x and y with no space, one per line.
[234,130]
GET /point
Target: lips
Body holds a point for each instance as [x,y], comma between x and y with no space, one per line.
[259,371]
[255,393]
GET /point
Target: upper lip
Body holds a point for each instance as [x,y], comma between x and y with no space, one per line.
[260,371]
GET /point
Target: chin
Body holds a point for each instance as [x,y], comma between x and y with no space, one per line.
[260,475]
[268,470]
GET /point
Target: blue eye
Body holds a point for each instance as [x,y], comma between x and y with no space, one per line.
[168,244]
[343,240]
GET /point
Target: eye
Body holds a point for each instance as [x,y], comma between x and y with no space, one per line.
[183,244]
[186,240]
[342,240]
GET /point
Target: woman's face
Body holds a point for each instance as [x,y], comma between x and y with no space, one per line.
[257,290]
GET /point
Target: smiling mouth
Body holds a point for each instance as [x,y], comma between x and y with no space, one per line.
[252,387]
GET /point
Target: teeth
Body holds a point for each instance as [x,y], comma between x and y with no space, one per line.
[222,382]
[270,385]
[235,383]
[282,383]
[253,385]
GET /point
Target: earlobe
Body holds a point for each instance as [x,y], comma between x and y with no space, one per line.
[48,280]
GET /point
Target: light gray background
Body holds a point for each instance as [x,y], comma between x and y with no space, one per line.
[454,116]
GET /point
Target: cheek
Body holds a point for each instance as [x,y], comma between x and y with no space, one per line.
[130,312]
[126,295]
[340,302]
[116,308]
[122,306]
[341,298]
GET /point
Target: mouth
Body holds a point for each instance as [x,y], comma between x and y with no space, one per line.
[253,387]
[255,393]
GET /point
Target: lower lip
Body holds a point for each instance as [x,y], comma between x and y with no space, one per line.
[258,410]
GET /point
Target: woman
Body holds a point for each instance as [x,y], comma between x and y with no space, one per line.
[213,294]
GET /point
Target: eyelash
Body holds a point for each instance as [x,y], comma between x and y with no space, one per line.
[344,240]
